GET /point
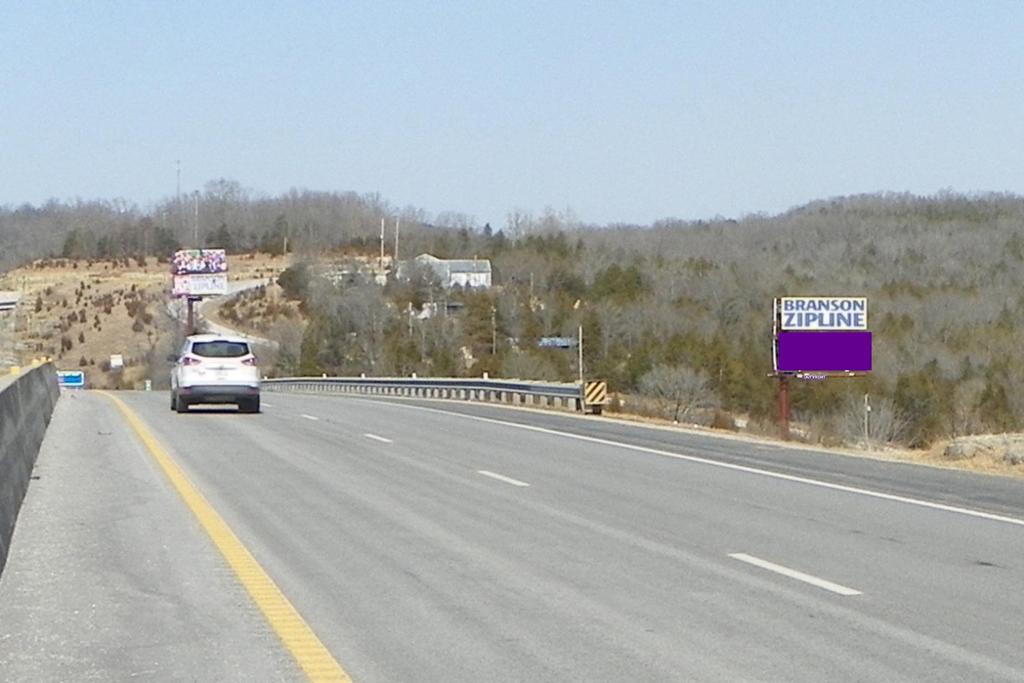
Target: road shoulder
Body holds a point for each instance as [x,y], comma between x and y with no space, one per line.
[111,578]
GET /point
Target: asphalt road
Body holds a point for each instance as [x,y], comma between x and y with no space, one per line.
[442,542]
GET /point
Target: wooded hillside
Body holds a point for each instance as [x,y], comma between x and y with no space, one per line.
[680,304]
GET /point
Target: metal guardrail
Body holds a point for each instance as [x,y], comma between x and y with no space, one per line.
[562,395]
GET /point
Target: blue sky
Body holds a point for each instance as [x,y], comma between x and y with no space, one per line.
[619,111]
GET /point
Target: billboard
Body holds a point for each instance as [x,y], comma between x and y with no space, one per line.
[199,262]
[200,284]
[838,351]
[809,313]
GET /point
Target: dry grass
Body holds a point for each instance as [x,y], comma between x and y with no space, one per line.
[256,311]
[125,312]
[640,412]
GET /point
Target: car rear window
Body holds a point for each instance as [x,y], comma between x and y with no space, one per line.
[220,349]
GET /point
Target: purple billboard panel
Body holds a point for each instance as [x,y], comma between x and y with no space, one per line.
[824,352]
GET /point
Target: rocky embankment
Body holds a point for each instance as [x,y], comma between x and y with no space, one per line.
[1002,448]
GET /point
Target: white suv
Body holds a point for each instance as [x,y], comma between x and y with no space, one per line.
[215,369]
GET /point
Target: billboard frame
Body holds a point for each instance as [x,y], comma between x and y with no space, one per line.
[784,376]
[197,262]
[802,374]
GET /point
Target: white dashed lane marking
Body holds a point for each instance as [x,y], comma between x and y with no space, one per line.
[794,574]
[501,477]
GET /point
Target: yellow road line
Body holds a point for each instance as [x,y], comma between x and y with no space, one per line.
[296,635]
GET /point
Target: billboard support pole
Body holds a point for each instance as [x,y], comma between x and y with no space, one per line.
[784,406]
[190,325]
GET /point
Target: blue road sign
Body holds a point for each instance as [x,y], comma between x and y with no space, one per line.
[71,379]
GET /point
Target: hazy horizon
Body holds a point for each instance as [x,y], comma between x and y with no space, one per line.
[619,114]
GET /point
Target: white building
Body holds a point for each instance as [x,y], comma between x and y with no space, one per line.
[469,273]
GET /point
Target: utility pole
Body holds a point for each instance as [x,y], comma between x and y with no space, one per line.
[381,263]
[397,224]
[579,334]
[195,220]
[494,331]
[579,338]
[181,214]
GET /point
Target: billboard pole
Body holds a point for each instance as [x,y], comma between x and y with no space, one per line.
[783,393]
[784,406]
[190,325]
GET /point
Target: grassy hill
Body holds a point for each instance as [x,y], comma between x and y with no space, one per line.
[79,312]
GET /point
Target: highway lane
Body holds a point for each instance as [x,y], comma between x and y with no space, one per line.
[925,562]
[999,495]
[425,545]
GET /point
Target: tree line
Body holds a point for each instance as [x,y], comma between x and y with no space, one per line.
[678,309]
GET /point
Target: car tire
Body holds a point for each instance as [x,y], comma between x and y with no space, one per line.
[251,405]
[180,404]
[174,401]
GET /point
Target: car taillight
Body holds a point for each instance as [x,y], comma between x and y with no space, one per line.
[251,362]
[189,360]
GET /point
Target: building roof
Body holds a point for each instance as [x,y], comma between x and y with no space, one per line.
[447,266]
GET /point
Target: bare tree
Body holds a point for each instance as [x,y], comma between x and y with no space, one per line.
[679,388]
[522,365]
[885,424]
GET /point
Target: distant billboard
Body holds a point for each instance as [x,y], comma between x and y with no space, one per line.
[199,262]
[813,313]
[841,351]
[200,284]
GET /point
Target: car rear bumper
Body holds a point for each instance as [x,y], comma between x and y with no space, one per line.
[218,393]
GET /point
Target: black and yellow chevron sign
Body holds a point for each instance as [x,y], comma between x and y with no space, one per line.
[595,392]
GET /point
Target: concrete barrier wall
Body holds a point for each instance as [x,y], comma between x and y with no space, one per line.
[26,404]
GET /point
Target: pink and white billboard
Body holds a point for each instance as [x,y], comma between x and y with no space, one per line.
[199,272]
[200,284]
[199,262]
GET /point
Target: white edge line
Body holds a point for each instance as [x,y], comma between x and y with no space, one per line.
[794,574]
[732,466]
[378,438]
[268,405]
[501,477]
[309,417]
